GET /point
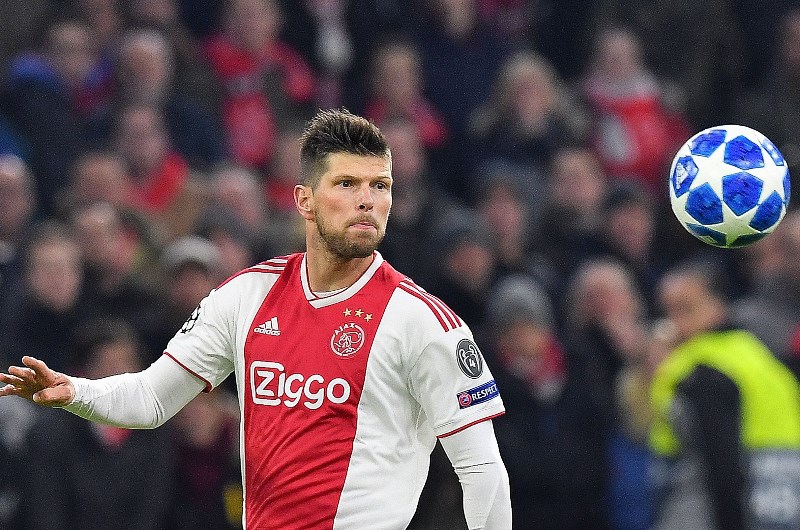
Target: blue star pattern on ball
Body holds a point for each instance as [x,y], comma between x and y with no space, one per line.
[729,186]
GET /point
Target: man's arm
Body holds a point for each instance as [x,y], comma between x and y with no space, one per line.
[711,425]
[483,476]
[141,400]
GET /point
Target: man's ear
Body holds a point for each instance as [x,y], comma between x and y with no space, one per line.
[304,201]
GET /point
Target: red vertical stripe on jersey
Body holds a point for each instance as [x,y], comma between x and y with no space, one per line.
[432,307]
[449,313]
[298,426]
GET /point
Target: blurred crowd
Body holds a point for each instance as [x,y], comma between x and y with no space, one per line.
[149,148]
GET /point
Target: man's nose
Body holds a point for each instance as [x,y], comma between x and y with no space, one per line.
[365,199]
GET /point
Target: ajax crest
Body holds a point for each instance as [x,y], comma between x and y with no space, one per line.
[347,339]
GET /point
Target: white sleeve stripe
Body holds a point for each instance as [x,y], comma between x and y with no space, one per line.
[441,308]
[267,267]
[434,309]
[251,269]
[446,308]
[436,301]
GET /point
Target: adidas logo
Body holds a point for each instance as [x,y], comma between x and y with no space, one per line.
[270,327]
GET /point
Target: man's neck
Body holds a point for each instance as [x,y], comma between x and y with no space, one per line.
[329,273]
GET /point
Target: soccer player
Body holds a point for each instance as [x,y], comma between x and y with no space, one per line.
[347,371]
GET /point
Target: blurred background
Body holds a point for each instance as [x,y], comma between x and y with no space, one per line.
[149,148]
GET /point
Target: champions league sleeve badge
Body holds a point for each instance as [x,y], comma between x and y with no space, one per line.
[192,320]
[469,358]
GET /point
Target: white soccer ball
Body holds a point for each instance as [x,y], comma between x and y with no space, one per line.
[729,186]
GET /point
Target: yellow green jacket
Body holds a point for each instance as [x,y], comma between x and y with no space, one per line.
[770,394]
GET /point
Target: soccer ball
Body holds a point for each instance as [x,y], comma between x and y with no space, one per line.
[729,186]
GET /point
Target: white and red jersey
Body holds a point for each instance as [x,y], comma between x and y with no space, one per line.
[342,397]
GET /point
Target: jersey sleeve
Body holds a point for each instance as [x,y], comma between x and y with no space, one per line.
[452,383]
[204,346]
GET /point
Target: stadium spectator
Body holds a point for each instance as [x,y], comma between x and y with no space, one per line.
[17,208]
[208,483]
[418,205]
[238,190]
[87,475]
[115,282]
[633,133]
[368,24]
[192,73]
[266,83]
[145,75]
[527,118]
[106,21]
[772,106]
[237,194]
[190,268]
[237,249]
[318,30]
[460,59]
[607,332]
[553,436]
[379,420]
[166,189]
[628,233]
[50,307]
[726,429]
[397,91]
[697,50]
[101,176]
[770,308]
[466,265]
[504,207]
[571,212]
[606,325]
[48,97]
[97,176]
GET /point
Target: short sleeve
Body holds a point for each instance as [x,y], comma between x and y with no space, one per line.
[204,344]
[452,383]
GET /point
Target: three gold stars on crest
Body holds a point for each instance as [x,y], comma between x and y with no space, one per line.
[358,312]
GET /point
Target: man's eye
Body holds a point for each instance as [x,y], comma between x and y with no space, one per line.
[346,183]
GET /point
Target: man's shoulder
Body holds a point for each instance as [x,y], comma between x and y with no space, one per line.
[423,307]
[271,267]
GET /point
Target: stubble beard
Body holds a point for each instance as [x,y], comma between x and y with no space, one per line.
[344,248]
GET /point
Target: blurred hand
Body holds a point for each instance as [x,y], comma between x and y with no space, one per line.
[38,383]
[628,335]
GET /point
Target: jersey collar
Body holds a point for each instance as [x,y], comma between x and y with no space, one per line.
[318,302]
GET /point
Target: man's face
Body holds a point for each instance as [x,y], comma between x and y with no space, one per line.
[689,305]
[350,205]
